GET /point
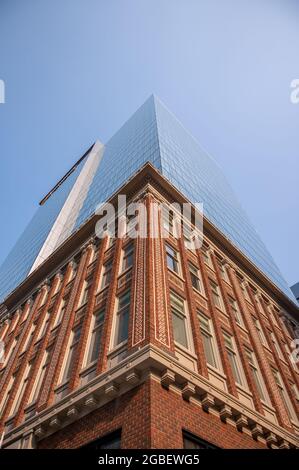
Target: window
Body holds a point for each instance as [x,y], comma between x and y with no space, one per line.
[58,281]
[172,259]
[216,294]
[128,256]
[40,376]
[20,391]
[44,325]
[60,313]
[276,345]
[223,271]
[195,280]
[193,442]
[256,374]
[290,357]
[110,441]
[9,352]
[122,318]
[259,305]
[167,220]
[208,339]
[236,311]
[178,319]
[284,395]
[260,331]
[6,397]
[206,257]
[29,337]
[233,358]
[244,290]
[107,268]
[43,299]
[85,292]
[74,341]
[272,315]
[295,390]
[96,336]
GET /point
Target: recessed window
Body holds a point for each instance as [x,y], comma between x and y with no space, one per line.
[44,325]
[20,390]
[6,397]
[276,345]
[206,257]
[236,311]
[284,395]
[256,374]
[216,294]
[96,335]
[179,320]
[122,318]
[191,441]
[208,339]
[74,342]
[168,222]
[110,441]
[195,279]
[29,337]
[233,358]
[260,331]
[244,290]
[107,269]
[61,312]
[223,271]
[172,259]
[128,256]
[41,375]
[85,292]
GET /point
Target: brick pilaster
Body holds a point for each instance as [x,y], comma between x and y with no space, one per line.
[83,342]
[238,339]
[259,351]
[217,327]
[53,372]
[198,344]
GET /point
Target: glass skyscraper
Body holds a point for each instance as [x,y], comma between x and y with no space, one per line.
[152,134]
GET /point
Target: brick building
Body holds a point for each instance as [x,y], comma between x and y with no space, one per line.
[144,342]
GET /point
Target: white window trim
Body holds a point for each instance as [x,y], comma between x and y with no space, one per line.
[219,366]
[188,329]
[112,346]
[239,364]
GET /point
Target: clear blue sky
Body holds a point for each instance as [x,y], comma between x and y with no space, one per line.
[76,69]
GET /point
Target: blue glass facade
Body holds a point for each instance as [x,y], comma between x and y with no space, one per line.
[18,263]
[152,134]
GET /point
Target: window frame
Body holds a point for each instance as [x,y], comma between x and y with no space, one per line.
[212,338]
[118,311]
[236,366]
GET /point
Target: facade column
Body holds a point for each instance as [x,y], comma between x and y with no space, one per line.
[259,351]
[218,329]
[59,349]
[238,339]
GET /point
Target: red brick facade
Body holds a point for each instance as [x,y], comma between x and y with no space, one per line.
[150,385]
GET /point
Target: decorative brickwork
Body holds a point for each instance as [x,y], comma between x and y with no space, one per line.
[149,385]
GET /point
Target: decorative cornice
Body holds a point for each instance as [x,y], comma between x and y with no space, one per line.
[134,371]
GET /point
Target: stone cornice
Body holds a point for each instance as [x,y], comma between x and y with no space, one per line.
[153,362]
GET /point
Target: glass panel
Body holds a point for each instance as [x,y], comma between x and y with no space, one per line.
[122,325]
[179,329]
[208,348]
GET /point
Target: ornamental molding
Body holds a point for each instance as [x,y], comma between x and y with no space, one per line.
[152,362]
